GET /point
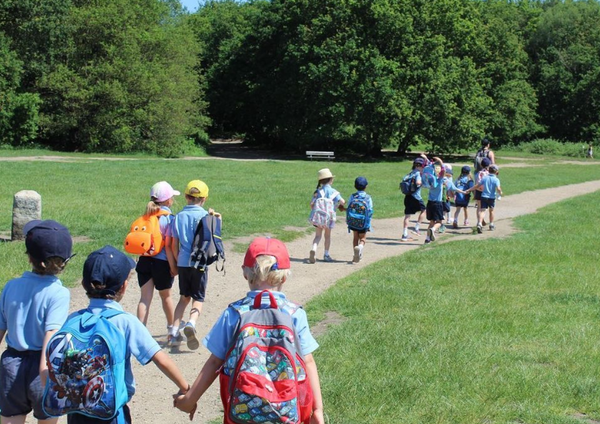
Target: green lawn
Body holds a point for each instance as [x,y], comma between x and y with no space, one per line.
[494,331]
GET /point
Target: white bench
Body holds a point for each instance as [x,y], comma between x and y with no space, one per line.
[311,154]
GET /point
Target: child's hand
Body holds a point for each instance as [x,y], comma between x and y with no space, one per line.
[184,404]
[174,271]
[317,417]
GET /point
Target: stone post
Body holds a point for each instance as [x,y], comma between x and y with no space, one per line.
[27,206]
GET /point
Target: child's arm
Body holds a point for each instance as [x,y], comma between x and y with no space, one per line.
[168,368]
[171,258]
[315,385]
[43,364]
[499,190]
[187,402]
[175,248]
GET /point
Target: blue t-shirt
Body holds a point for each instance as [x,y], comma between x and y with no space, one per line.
[464,182]
[183,228]
[435,188]
[416,174]
[218,340]
[30,306]
[164,221]
[490,184]
[140,343]
[330,193]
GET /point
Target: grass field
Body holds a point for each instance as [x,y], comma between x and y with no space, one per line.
[98,199]
[497,331]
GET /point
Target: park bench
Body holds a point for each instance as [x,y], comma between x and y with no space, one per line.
[312,154]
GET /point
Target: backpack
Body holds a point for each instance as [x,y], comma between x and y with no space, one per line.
[86,367]
[144,237]
[480,156]
[358,215]
[463,183]
[408,184]
[323,213]
[207,245]
[263,378]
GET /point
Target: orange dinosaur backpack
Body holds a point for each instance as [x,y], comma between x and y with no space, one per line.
[144,237]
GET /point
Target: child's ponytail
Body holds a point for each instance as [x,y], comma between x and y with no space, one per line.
[152,208]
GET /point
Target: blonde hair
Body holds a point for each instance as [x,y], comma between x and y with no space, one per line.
[196,200]
[51,266]
[261,271]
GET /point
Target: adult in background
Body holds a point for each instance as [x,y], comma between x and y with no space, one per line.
[482,153]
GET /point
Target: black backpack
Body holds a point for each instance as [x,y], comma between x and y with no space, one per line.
[207,247]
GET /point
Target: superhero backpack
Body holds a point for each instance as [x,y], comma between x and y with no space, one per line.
[145,238]
[358,215]
[86,367]
[207,246]
[323,210]
[264,376]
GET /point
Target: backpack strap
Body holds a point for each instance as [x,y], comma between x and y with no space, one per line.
[258,300]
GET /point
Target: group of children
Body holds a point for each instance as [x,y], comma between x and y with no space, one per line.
[34,307]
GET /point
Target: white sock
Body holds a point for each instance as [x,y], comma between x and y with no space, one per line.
[314,248]
[405,232]
[417,226]
[360,247]
[326,253]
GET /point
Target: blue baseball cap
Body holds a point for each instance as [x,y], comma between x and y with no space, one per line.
[108,266]
[465,169]
[485,162]
[360,183]
[46,239]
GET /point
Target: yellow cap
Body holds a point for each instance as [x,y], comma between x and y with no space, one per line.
[200,189]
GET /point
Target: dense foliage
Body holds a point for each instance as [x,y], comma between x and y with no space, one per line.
[358,75]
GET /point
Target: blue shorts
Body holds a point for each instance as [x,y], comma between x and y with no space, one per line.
[435,211]
[192,283]
[156,269]
[488,203]
[123,417]
[21,389]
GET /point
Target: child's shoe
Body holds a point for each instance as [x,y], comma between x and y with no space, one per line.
[479,229]
[356,257]
[327,258]
[454,224]
[311,257]
[442,229]
[174,340]
[404,238]
[431,234]
[492,227]
[466,222]
[190,333]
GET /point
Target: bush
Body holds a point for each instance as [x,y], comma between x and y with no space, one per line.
[548,146]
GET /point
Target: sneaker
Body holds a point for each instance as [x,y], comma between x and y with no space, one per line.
[442,229]
[174,341]
[416,232]
[190,333]
[356,257]
[455,225]
[492,227]
[483,223]
[327,258]
[466,222]
[427,241]
[431,234]
[311,257]
[405,238]
[479,229]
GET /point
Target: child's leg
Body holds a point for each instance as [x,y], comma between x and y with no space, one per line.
[146,294]
[355,237]
[405,225]
[167,305]
[420,220]
[327,241]
[184,301]
[17,419]
[456,213]
[491,215]
[317,239]
[47,421]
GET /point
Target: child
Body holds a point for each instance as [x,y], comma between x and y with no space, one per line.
[489,185]
[192,281]
[435,207]
[32,308]
[413,202]
[362,199]
[324,190]
[105,275]
[266,267]
[485,163]
[158,271]
[464,182]
[448,192]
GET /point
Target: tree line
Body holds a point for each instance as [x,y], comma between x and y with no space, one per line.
[354,75]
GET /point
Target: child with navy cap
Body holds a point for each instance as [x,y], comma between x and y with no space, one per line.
[32,308]
[266,268]
[361,204]
[105,275]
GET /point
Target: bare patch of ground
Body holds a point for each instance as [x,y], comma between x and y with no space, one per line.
[332,319]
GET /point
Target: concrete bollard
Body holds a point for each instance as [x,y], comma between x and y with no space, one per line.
[27,206]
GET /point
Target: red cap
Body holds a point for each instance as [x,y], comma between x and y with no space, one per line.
[267,246]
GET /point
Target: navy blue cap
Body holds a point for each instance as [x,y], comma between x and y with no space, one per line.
[419,161]
[360,183]
[485,162]
[108,266]
[45,239]
[465,169]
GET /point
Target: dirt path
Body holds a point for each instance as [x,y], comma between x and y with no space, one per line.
[152,401]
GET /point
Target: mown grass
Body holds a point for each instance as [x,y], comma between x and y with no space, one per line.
[98,199]
[497,331]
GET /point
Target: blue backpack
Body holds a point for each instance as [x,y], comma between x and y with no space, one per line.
[358,215]
[463,183]
[86,367]
[207,246]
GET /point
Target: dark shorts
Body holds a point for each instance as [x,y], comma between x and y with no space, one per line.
[462,205]
[412,205]
[446,206]
[435,211]
[156,269]
[123,417]
[20,386]
[488,203]
[477,195]
[192,283]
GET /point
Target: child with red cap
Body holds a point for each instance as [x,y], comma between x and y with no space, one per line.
[266,268]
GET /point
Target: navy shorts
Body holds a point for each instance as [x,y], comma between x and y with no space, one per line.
[477,195]
[123,417]
[412,205]
[156,269]
[446,206]
[435,211]
[21,389]
[488,203]
[192,283]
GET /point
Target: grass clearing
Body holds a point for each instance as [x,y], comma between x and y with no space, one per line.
[99,199]
[436,336]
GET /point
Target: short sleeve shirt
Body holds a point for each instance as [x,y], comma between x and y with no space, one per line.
[218,341]
[329,193]
[140,343]
[367,199]
[416,174]
[183,228]
[164,221]
[490,184]
[30,306]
